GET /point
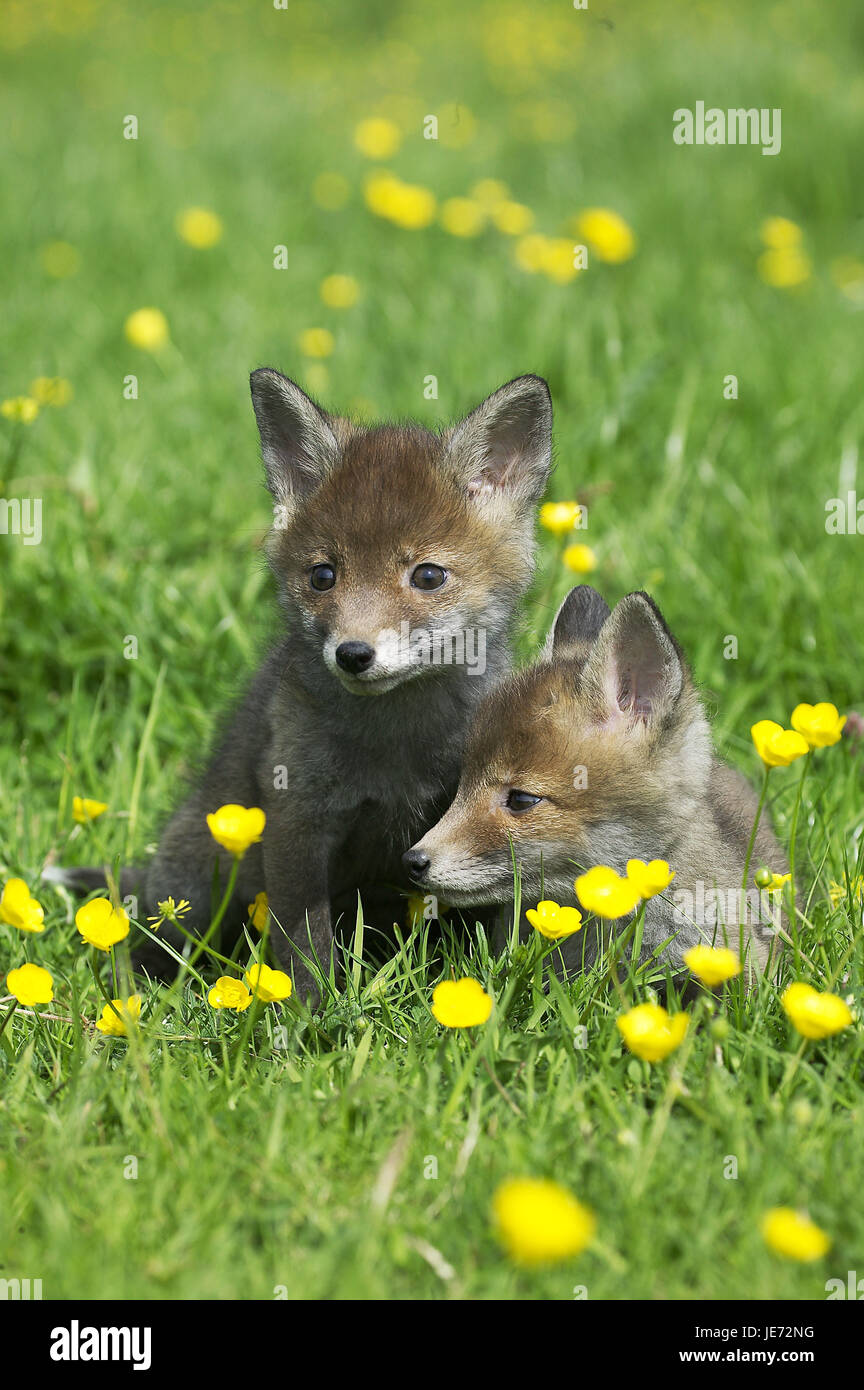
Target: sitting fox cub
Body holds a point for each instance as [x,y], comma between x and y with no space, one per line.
[350,735]
[600,753]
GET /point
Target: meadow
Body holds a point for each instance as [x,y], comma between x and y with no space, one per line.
[705,374]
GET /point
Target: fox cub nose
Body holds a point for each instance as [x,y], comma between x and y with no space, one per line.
[416,862]
[355,656]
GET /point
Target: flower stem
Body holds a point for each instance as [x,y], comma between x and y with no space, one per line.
[793,836]
[756,821]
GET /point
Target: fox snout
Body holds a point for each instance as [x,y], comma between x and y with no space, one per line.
[354,657]
[416,863]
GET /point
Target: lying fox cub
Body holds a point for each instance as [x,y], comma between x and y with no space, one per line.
[350,735]
[600,753]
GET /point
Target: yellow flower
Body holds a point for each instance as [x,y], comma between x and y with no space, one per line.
[553,921]
[199,227]
[538,1221]
[513,219]
[271,986]
[51,390]
[235,828]
[377,138]
[490,192]
[259,911]
[462,217]
[339,291]
[101,924]
[712,965]
[793,1234]
[780,233]
[30,985]
[331,191]
[820,724]
[408,205]
[815,1015]
[316,342]
[559,262]
[559,517]
[415,909]
[649,879]
[854,886]
[115,1027]
[652,1033]
[60,259]
[21,408]
[776,746]
[770,882]
[530,251]
[604,892]
[170,911]
[581,559]
[784,268]
[19,909]
[84,810]
[228,993]
[147,329]
[460,1003]
[607,234]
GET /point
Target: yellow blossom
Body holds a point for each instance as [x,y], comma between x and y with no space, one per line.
[259,911]
[793,1234]
[553,921]
[316,342]
[228,993]
[649,879]
[235,828]
[604,892]
[821,725]
[513,219]
[460,1003]
[712,964]
[815,1015]
[770,882]
[51,390]
[558,261]
[199,227]
[331,191]
[169,911]
[339,291]
[776,746]
[462,217]
[19,909]
[130,1011]
[60,259]
[581,559]
[31,985]
[779,233]
[785,268]
[377,137]
[607,234]
[147,329]
[407,205]
[84,810]
[490,192]
[539,1221]
[271,986]
[853,886]
[559,517]
[652,1033]
[102,924]
[23,409]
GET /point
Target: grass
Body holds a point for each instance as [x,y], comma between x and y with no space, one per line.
[304,1160]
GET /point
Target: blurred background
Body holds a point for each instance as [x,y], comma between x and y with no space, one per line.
[281,205]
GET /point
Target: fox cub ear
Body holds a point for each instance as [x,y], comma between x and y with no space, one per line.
[578,622]
[635,671]
[297,443]
[505,445]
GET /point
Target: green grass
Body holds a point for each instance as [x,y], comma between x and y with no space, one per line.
[304,1165]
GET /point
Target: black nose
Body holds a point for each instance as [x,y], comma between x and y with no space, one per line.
[416,862]
[355,656]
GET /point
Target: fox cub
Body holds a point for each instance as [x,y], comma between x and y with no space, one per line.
[599,753]
[400,556]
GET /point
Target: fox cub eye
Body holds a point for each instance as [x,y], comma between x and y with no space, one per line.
[428,577]
[517,801]
[322,577]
